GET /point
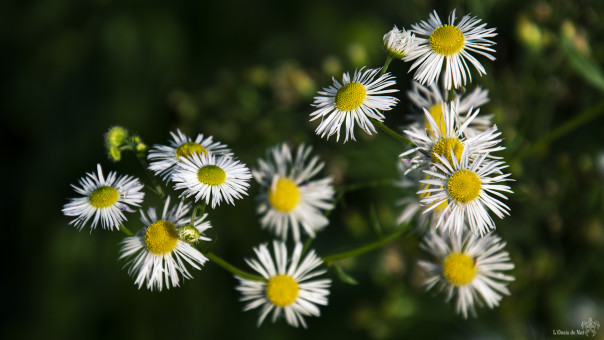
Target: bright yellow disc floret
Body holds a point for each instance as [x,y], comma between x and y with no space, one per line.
[282,290]
[459,269]
[103,197]
[447,40]
[464,186]
[350,96]
[285,195]
[161,237]
[188,149]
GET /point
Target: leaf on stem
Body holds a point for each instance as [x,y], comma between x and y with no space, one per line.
[343,276]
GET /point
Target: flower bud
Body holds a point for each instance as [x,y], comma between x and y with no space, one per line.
[116,136]
[188,234]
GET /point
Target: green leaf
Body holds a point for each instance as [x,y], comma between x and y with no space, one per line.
[375,222]
[585,66]
[343,276]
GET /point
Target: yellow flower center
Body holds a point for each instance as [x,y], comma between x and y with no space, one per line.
[211,175]
[441,207]
[103,197]
[447,40]
[350,96]
[285,196]
[161,237]
[282,290]
[464,186]
[189,149]
[459,269]
[436,111]
[443,148]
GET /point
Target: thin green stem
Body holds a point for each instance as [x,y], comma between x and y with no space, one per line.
[157,188]
[307,244]
[386,64]
[230,268]
[391,132]
[125,230]
[561,130]
[201,207]
[366,248]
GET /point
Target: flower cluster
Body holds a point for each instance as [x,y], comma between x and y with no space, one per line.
[162,253]
[453,167]
[453,164]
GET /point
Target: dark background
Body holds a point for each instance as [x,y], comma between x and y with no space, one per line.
[246,72]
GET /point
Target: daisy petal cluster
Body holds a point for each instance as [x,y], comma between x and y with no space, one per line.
[290,198]
[104,199]
[398,43]
[157,257]
[291,288]
[164,159]
[355,100]
[468,269]
[450,46]
[212,179]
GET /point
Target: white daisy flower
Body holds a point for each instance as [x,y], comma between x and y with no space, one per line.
[105,199]
[289,199]
[468,269]
[355,100]
[157,256]
[207,177]
[287,289]
[164,159]
[449,135]
[469,190]
[399,43]
[450,43]
[432,99]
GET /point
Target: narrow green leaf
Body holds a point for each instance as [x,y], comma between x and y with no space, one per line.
[343,276]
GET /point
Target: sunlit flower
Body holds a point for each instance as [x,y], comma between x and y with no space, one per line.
[398,43]
[207,177]
[432,99]
[164,159]
[356,100]
[446,135]
[157,256]
[468,269]
[287,289]
[468,188]
[451,44]
[104,199]
[289,199]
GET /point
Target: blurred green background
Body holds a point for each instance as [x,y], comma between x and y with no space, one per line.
[245,72]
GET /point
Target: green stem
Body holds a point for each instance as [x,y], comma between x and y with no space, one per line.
[386,64]
[230,268]
[562,129]
[157,188]
[391,132]
[307,244]
[364,249]
[125,230]
[202,209]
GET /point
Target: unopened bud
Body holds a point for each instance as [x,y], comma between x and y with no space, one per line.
[116,136]
[188,234]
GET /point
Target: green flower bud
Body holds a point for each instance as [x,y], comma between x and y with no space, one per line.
[114,154]
[141,147]
[188,234]
[116,136]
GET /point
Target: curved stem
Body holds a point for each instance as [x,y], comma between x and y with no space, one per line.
[125,230]
[391,132]
[562,129]
[386,64]
[234,270]
[364,249]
